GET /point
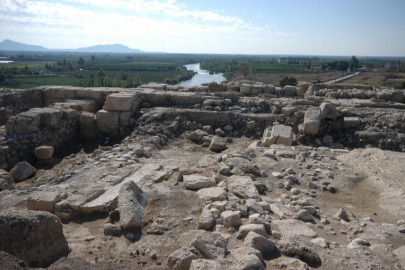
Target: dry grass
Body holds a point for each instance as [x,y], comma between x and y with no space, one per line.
[275,78]
[377,78]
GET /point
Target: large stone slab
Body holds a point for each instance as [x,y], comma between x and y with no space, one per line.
[291,227]
[312,121]
[119,102]
[328,110]
[43,201]
[243,187]
[278,134]
[44,152]
[351,122]
[212,194]
[218,144]
[212,244]
[107,121]
[198,181]
[131,203]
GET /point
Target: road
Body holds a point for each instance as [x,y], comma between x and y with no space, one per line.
[342,78]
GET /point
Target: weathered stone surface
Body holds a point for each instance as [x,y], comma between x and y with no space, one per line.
[218,144]
[290,90]
[328,110]
[305,216]
[22,171]
[293,246]
[351,122]
[197,135]
[201,264]
[259,242]
[44,152]
[400,253]
[119,102]
[198,181]
[312,121]
[131,203]
[87,125]
[291,227]
[10,262]
[245,89]
[279,134]
[6,182]
[231,218]
[22,235]
[321,242]
[107,121]
[341,214]
[243,187]
[212,194]
[208,217]
[181,259]
[211,244]
[112,229]
[288,263]
[43,201]
[245,258]
[257,228]
[288,110]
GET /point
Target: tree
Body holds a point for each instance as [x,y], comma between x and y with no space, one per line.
[244,70]
[288,81]
[101,73]
[80,62]
[353,63]
[93,57]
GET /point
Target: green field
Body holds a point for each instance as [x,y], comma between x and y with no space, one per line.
[129,70]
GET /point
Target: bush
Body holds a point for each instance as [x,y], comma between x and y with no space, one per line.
[288,81]
[400,85]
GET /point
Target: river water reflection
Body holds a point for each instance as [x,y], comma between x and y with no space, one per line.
[203,76]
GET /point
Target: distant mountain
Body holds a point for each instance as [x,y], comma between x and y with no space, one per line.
[113,48]
[9,45]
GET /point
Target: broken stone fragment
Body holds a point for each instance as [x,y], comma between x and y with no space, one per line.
[198,181]
[181,259]
[218,144]
[131,203]
[278,134]
[259,242]
[293,246]
[43,201]
[22,171]
[231,219]
[6,182]
[312,121]
[211,244]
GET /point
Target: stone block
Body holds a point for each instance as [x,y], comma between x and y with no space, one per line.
[50,117]
[328,110]
[312,121]
[107,121]
[289,90]
[124,117]
[132,202]
[198,181]
[6,182]
[43,201]
[119,102]
[259,242]
[44,152]
[245,89]
[288,110]
[351,122]
[69,113]
[243,187]
[279,134]
[268,89]
[218,144]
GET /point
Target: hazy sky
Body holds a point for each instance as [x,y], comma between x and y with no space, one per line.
[312,27]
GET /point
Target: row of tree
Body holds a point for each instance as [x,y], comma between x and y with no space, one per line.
[352,64]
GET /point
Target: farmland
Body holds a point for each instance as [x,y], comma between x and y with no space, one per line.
[33,69]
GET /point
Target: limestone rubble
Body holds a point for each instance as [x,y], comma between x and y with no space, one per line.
[237,176]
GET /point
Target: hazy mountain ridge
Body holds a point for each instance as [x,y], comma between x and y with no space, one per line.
[9,45]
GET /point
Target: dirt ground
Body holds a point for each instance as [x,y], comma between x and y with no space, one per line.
[275,78]
[377,78]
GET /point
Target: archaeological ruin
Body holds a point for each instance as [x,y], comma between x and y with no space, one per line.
[226,176]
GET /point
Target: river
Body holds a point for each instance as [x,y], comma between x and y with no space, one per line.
[202,76]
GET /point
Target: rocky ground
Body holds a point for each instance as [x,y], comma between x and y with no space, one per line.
[168,197]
